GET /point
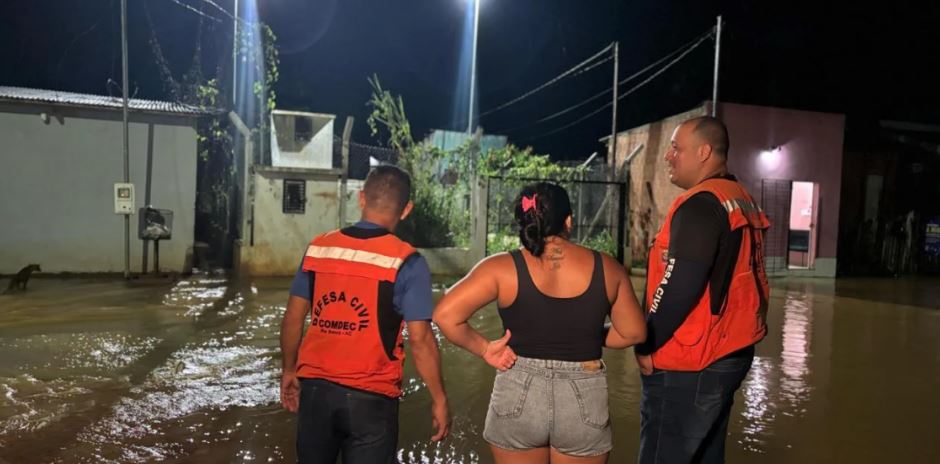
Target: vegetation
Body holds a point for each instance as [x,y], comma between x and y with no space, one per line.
[443,180]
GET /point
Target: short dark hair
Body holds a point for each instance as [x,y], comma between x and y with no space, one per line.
[547,218]
[713,132]
[387,187]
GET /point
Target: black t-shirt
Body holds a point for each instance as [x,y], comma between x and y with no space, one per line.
[705,250]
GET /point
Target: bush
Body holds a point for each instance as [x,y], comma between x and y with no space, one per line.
[441,217]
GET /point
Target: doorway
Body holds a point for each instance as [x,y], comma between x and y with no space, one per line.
[804,200]
[793,210]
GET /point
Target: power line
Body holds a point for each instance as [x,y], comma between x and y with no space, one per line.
[215,6]
[592,113]
[628,92]
[664,68]
[200,13]
[546,84]
[223,10]
[555,115]
[601,62]
[693,43]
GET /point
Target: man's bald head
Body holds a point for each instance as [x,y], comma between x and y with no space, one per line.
[387,189]
[712,132]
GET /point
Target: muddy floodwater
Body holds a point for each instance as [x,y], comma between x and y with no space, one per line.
[99,370]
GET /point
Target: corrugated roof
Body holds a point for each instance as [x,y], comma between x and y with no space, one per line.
[23,94]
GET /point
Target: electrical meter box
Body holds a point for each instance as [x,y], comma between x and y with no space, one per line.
[123,198]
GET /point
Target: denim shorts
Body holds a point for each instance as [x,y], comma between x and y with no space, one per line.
[540,403]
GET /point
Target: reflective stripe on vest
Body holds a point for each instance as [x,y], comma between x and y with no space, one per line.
[377,258]
[354,255]
[704,337]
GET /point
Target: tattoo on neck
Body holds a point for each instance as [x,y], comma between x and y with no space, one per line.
[556,255]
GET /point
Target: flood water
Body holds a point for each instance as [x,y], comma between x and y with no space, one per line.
[99,370]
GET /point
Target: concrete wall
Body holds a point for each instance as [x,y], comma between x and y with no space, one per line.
[651,193]
[810,148]
[57,187]
[289,149]
[280,239]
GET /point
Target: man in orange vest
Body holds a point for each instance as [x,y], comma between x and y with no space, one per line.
[360,286]
[706,298]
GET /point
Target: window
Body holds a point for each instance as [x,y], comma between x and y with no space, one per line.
[303,131]
[295,196]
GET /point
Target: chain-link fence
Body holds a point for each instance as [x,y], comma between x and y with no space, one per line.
[598,210]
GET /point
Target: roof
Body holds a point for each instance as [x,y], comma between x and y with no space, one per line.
[55,97]
[303,114]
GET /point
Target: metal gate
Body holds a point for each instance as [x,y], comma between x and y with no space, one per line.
[775,201]
[598,210]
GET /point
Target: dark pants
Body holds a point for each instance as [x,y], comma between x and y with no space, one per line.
[684,415]
[334,419]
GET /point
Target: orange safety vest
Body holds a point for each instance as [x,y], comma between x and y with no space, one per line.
[704,337]
[355,335]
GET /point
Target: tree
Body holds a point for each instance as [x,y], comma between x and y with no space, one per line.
[440,218]
[217,182]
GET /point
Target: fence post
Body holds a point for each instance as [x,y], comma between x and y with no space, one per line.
[480,194]
[621,229]
[347,133]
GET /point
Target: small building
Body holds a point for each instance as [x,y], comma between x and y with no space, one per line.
[294,198]
[302,140]
[448,141]
[790,161]
[61,155]
[451,140]
[303,192]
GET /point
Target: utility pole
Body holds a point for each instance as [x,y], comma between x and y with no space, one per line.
[127,176]
[612,159]
[715,77]
[613,117]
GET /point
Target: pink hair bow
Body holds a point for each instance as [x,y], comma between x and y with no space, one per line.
[528,203]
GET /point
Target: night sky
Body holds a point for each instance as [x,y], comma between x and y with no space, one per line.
[870,63]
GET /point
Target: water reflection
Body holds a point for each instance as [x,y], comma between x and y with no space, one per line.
[188,372]
[779,386]
[797,330]
[29,404]
[196,294]
[758,413]
[211,377]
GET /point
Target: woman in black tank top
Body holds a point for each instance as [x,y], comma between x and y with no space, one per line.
[554,298]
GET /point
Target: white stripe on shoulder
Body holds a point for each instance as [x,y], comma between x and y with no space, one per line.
[353,255]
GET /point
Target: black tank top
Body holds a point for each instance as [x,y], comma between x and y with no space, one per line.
[565,329]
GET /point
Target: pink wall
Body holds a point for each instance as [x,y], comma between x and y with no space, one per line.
[810,150]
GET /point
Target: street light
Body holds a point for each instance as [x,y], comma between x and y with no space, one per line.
[473,64]
[234,54]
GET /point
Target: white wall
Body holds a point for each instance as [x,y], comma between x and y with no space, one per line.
[281,239]
[316,153]
[57,181]
[319,152]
